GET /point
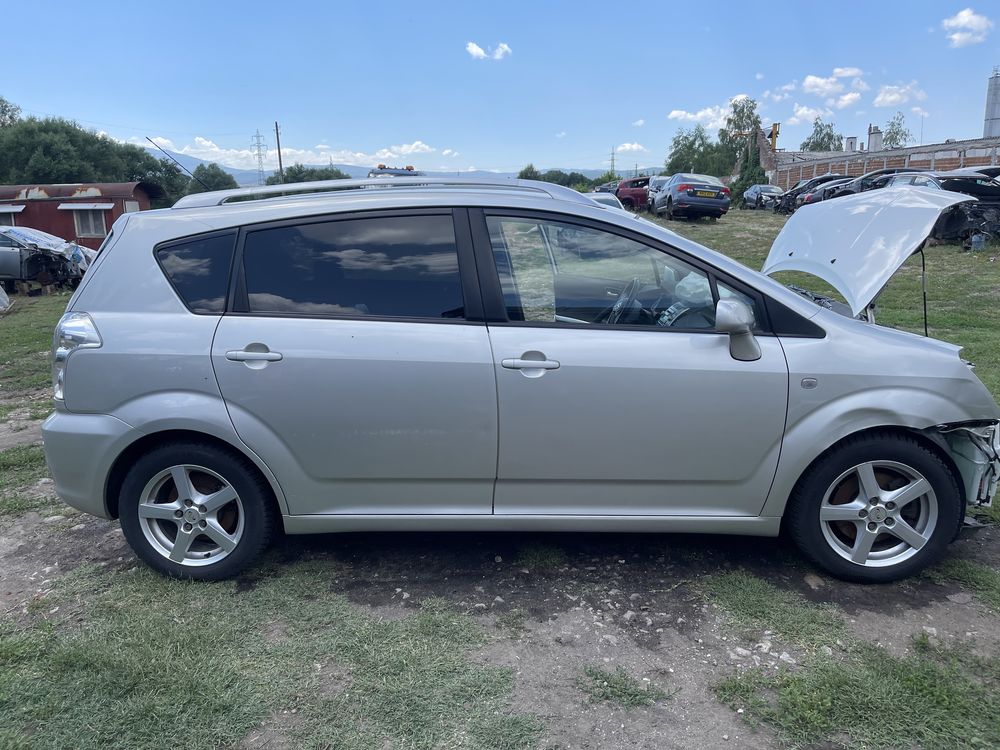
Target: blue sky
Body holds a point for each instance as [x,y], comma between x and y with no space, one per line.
[492,85]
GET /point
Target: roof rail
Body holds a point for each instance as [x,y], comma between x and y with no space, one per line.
[332,187]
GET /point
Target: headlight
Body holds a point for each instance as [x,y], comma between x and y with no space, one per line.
[75,331]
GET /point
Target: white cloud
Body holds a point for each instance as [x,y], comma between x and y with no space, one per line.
[478,53]
[967,27]
[776,96]
[561,134]
[759,76]
[844,100]
[893,96]
[246,158]
[638,123]
[805,114]
[847,72]
[920,112]
[790,86]
[858,84]
[820,86]
[631,147]
[449,152]
[712,117]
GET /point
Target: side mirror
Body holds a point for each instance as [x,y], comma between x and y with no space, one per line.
[736,319]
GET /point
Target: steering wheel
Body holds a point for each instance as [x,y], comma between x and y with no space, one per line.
[624,302]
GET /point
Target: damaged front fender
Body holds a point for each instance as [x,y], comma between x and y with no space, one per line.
[975,449]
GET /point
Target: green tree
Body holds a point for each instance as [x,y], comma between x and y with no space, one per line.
[608,176]
[896,134]
[302,173]
[10,113]
[824,137]
[529,173]
[740,131]
[210,177]
[56,150]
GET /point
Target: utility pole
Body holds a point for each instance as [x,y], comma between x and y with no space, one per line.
[635,172]
[277,140]
[613,160]
[259,149]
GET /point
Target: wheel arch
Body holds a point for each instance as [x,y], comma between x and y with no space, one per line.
[127,457]
[927,438]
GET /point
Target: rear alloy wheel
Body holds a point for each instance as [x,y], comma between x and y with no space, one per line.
[670,210]
[195,511]
[876,509]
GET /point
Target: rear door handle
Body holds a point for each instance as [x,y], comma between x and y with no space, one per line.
[243,355]
[530,364]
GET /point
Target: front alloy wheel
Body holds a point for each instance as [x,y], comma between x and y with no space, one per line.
[876,508]
[879,513]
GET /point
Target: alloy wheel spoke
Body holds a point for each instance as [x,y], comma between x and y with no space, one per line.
[863,545]
[216,500]
[219,535]
[902,530]
[866,481]
[845,512]
[909,493]
[182,543]
[159,511]
[182,481]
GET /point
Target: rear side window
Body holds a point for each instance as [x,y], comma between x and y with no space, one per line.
[399,266]
[199,270]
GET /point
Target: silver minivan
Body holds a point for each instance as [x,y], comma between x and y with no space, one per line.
[440,353]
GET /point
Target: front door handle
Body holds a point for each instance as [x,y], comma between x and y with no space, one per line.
[245,355]
[530,364]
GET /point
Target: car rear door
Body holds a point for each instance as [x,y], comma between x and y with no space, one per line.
[640,418]
[355,363]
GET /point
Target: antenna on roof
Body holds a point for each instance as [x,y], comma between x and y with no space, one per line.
[179,164]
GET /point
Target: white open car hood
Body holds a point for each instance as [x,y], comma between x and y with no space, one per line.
[856,243]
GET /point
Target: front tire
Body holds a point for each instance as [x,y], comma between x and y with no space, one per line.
[193,510]
[876,508]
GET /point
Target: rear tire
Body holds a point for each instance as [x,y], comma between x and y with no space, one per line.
[195,510]
[876,508]
[628,204]
[670,210]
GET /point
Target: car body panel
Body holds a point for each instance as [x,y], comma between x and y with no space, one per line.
[348,393]
[633,191]
[858,242]
[629,424]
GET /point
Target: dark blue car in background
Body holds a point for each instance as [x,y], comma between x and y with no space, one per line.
[690,196]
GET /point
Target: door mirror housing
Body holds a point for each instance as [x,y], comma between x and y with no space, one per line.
[734,317]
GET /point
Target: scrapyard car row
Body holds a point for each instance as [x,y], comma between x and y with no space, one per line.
[448,354]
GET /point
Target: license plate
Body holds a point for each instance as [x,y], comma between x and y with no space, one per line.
[705,194]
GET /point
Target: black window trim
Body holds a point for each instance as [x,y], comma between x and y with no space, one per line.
[180,241]
[238,302]
[496,309]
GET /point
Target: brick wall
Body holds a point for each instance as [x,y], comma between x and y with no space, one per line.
[790,168]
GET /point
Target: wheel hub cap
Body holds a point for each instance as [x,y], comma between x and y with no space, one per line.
[878,514]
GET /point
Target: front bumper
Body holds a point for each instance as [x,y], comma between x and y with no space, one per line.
[975,448]
[80,450]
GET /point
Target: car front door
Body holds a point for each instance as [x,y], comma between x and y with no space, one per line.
[636,411]
[351,365]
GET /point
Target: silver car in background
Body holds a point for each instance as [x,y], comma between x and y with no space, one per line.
[460,354]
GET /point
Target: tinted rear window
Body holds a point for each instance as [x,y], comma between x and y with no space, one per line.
[199,270]
[402,266]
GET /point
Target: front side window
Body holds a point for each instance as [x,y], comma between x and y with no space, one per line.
[402,266]
[90,223]
[553,272]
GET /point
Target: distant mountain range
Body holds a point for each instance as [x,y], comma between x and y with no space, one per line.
[248,177]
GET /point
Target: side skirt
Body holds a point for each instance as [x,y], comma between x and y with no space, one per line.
[331,524]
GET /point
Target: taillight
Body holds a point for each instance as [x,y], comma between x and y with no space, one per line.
[74,331]
[683,187]
[807,197]
[725,191]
